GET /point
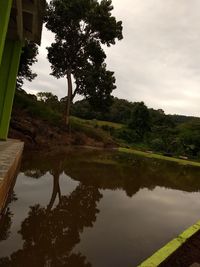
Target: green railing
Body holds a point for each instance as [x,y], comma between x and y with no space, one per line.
[10,52]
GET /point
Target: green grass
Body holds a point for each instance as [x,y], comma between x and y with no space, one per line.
[77,120]
[110,124]
[95,123]
[36,109]
[160,157]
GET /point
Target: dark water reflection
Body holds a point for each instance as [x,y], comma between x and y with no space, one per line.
[95,209]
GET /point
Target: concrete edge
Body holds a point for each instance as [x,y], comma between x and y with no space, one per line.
[8,182]
[166,251]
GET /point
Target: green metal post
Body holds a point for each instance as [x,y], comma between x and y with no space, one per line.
[5,8]
[8,73]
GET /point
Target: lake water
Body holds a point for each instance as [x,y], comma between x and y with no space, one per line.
[93,208]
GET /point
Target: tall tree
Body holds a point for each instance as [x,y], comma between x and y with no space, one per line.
[28,58]
[81,27]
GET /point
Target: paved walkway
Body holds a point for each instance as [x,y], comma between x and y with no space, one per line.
[10,155]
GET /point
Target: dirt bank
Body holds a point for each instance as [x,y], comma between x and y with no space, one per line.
[40,134]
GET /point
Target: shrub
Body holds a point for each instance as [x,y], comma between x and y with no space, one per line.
[157,144]
[129,136]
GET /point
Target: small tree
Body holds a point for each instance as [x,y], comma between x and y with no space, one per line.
[80,27]
[49,99]
[28,58]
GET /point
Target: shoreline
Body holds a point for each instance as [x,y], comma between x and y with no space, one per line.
[158,156]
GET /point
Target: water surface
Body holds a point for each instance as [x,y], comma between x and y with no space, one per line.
[88,208]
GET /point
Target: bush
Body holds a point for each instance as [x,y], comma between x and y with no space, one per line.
[129,136]
[35,108]
[157,144]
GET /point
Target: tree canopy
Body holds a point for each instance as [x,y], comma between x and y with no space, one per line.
[28,58]
[140,119]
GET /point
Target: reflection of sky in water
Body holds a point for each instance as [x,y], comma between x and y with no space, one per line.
[126,230]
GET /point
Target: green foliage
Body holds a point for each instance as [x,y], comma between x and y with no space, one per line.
[96,84]
[35,108]
[50,100]
[82,109]
[157,144]
[179,119]
[190,137]
[119,111]
[28,58]
[127,135]
[163,133]
[159,119]
[140,119]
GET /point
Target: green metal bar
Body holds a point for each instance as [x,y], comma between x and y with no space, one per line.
[8,73]
[5,8]
[4,75]
[161,255]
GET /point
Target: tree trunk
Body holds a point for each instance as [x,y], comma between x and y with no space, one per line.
[69,97]
[56,185]
[56,190]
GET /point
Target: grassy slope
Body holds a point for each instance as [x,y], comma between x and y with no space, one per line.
[96,123]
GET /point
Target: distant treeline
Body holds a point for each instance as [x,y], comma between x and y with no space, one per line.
[120,112]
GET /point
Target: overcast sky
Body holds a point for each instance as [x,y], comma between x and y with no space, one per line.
[157,62]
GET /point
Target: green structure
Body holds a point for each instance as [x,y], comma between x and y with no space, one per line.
[19,20]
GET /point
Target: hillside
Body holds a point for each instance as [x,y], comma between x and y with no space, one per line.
[39,123]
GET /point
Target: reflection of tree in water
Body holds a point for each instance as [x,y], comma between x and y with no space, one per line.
[56,185]
[51,235]
[112,170]
[5,224]
[6,219]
